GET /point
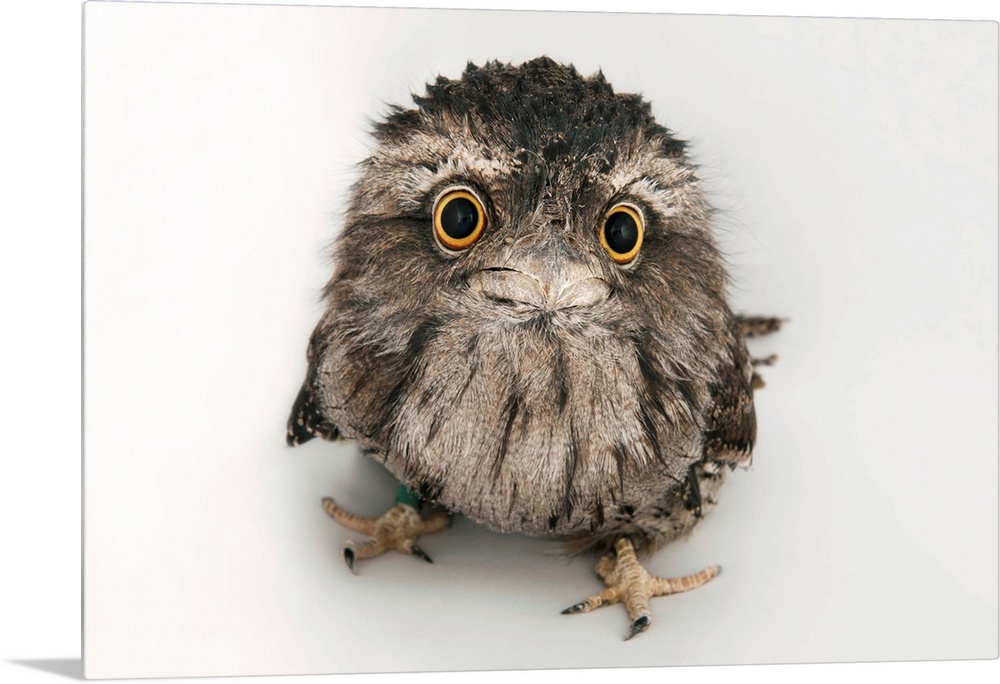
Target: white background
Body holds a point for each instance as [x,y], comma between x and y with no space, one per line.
[858,179]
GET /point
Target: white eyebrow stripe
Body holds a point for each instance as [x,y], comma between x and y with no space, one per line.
[653,194]
[665,183]
[452,159]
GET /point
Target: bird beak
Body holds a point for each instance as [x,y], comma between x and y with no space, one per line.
[546,277]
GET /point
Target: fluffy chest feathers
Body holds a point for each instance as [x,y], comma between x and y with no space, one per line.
[533,417]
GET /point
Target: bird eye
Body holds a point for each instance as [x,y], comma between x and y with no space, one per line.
[621,234]
[459,219]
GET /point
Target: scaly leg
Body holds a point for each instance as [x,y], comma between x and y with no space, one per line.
[629,583]
[398,529]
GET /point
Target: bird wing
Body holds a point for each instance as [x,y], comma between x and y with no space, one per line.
[732,424]
[306,420]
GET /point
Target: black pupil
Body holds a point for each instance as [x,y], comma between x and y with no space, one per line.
[459,218]
[621,232]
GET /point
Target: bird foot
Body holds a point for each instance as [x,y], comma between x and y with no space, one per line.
[629,583]
[398,529]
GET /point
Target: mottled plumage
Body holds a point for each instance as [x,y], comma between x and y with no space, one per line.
[531,382]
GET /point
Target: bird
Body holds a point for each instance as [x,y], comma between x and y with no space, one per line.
[527,325]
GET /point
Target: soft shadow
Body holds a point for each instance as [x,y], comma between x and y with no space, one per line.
[67,667]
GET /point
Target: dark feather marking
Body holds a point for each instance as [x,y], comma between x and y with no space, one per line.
[424,333]
[561,378]
[553,519]
[429,393]
[525,420]
[619,453]
[656,387]
[692,492]
[686,387]
[512,407]
[461,392]
[474,368]
[306,421]
[409,369]
[650,429]
[513,498]
[436,424]
[651,436]
[540,324]
[430,488]
[426,395]
[574,456]
[359,383]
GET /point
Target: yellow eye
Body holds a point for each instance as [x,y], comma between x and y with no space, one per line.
[621,233]
[459,219]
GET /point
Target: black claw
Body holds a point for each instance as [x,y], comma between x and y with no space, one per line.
[641,624]
[349,558]
[419,553]
[578,608]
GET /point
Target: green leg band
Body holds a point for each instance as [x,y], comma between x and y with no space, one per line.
[404,495]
